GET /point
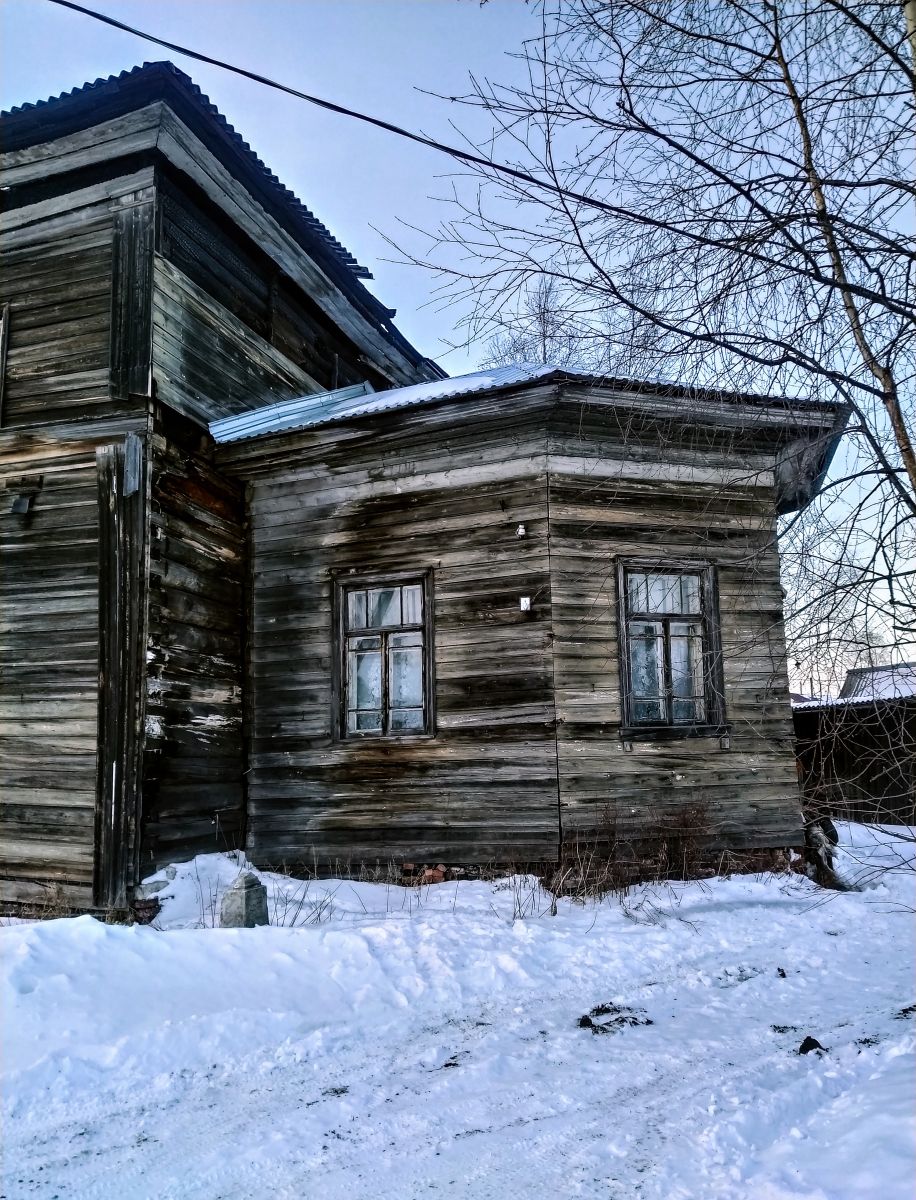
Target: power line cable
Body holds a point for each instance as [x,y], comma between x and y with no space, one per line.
[812,272]
[462,155]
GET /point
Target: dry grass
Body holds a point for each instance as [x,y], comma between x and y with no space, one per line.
[52,905]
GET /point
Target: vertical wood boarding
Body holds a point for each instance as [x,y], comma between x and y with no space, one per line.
[132,297]
[49,617]
[194,751]
[4,342]
[122,513]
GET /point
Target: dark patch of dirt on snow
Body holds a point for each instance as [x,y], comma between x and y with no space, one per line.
[618,1016]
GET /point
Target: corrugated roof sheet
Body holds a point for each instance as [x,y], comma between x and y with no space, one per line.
[283,193]
[328,407]
[870,685]
[287,414]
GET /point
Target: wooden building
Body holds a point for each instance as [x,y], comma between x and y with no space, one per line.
[155,275]
[857,753]
[267,579]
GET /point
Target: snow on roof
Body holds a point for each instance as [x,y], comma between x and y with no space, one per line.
[799,698]
[880,683]
[867,685]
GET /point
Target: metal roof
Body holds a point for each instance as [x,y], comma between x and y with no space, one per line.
[168,71]
[880,683]
[326,408]
[104,99]
[870,685]
[287,414]
[360,401]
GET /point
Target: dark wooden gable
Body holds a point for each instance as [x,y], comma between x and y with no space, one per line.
[146,246]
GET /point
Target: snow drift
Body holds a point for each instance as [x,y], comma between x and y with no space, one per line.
[389,1041]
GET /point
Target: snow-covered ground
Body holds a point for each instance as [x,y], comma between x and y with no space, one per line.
[402,1042]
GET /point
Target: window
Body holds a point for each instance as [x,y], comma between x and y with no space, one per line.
[385,657]
[671,663]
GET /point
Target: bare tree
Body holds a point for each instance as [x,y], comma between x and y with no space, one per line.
[540,331]
[742,218]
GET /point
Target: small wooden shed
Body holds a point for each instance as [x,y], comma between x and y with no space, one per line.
[857,753]
[267,579]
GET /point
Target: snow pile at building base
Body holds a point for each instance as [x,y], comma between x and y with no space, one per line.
[463,1040]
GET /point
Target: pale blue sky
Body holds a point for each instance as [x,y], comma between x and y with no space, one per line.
[371,55]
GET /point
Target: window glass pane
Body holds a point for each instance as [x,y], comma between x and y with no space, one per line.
[406,718]
[384,606]
[690,594]
[413,604]
[687,682]
[647,664]
[637,596]
[664,594]
[405,678]
[364,722]
[686,660]
[400,640]
[689,712]
[364,678]
[356,610]
[648,710]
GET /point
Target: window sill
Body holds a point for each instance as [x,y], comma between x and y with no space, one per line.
[671,733]
[384,739]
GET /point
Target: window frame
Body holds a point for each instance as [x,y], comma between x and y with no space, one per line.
[714,688]
[345,583]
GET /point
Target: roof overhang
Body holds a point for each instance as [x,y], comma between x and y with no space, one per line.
[801,435]
[157,108]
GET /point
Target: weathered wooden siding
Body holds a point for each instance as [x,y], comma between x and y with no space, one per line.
[197,239]
[638,490]
[194,756]
[145,258]
[206,362]
[231,331]
[339,315]
[527,748]
[59,292]
[49,621]
[443,490]
[74,352]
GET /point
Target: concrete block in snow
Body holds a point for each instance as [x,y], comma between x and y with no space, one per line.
[244,904]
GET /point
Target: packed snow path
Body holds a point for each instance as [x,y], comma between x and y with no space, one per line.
[407,1043]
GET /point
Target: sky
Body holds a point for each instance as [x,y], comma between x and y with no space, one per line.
[377,56]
